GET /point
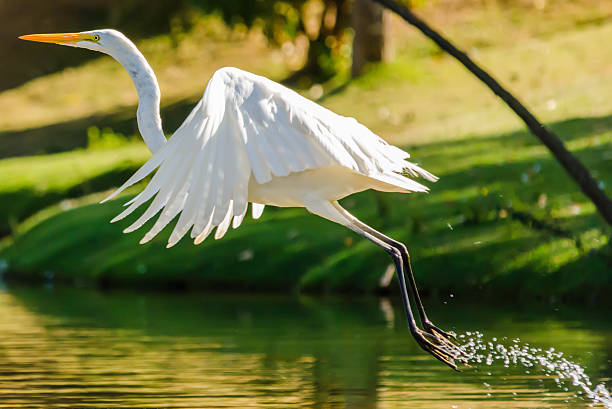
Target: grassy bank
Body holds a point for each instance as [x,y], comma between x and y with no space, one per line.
[466,235]
[504,219]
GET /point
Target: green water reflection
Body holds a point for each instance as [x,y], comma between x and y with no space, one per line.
[67,347]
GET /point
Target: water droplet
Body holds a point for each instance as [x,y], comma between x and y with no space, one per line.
[541,362]
[246,255]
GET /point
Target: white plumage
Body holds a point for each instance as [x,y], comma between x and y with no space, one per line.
[250,139]
[247,136]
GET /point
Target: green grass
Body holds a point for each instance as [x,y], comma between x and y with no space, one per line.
[32,183]
[465,236]
[459,238]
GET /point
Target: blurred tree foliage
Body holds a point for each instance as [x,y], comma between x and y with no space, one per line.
[314,35]
[136,18]
[316,29]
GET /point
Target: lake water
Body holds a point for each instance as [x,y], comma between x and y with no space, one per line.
[80,348]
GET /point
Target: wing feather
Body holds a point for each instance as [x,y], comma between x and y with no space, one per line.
[238,220]
[161,197]
[175,200]
[246,126]
[205,201]
[144,171]
[205,232]
[224,225]
[257,209]
[187,217]
[157,181]
[259,141]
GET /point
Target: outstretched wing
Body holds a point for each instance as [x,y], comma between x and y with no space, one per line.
[248,125]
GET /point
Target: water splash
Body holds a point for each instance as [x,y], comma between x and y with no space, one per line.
[549,361]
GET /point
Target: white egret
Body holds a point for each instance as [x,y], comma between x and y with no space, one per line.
[250,139]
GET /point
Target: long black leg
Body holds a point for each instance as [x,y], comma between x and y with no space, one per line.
[430,342]
[432,339]
[397,260]
[408,269]
[405,259]
[428,326]
[433,343]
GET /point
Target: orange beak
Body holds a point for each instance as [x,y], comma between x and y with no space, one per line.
[59,38]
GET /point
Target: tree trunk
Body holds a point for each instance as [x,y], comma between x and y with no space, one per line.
[572,165]
[369,40]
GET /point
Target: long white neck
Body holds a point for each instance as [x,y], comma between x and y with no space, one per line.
[149,121]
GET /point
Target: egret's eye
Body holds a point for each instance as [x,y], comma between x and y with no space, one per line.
[96,37]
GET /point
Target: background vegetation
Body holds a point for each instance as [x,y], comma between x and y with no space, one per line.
[504,219]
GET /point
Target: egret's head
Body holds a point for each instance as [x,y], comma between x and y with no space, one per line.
[105,41]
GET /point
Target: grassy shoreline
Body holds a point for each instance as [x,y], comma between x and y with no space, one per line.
[462,236]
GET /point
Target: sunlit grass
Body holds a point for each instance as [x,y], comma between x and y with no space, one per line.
[64,170]
[426,99]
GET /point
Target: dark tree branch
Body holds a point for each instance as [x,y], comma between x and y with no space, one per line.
[572,165]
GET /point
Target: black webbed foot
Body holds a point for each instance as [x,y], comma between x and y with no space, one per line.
[429,327]
[438,343]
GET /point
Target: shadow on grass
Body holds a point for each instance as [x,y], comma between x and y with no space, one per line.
[72,134]
[567,129]
[69,135]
